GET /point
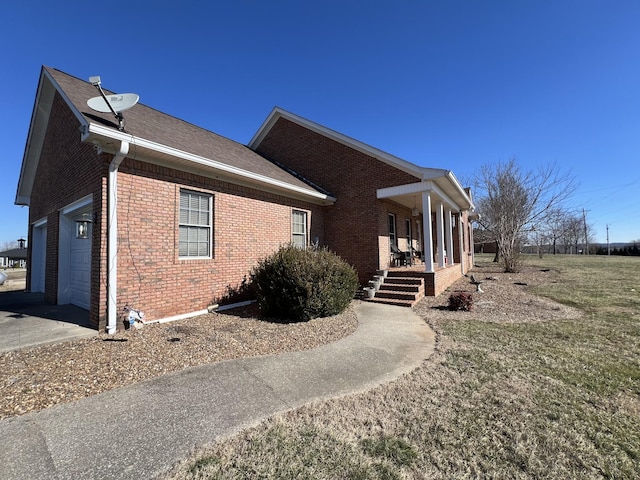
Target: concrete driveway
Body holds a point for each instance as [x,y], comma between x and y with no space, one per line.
[26,320]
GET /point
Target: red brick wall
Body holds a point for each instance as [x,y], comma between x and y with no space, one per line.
[248,225]
[68,170]
[354,225]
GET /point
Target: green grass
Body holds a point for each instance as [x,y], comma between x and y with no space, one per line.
[557,399]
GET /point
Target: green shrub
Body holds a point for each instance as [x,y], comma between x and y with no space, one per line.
[461,301]
[298,285]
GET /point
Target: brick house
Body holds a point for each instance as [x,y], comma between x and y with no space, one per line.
[167,217]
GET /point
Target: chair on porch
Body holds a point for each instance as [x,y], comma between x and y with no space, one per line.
[400,258]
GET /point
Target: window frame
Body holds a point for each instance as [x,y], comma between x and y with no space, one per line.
[393,231]
[305,216]
[408,233]
[198,226]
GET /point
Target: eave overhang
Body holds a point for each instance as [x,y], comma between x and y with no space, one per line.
[445,187]
[152,152]
[439,180]
[107,138]
[47,87]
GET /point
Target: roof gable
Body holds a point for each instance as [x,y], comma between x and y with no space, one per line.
[159,138]
[445,178]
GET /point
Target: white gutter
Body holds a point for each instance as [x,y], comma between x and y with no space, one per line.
[460,188]
[112,237]
[205,162]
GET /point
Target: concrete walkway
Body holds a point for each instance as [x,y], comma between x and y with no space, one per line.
[26,320]
[142,430]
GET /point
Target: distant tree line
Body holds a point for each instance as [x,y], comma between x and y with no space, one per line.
[632,250]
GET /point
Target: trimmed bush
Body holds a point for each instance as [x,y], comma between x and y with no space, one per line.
[461,301]
[298,285]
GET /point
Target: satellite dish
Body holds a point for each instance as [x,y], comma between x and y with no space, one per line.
[117,103]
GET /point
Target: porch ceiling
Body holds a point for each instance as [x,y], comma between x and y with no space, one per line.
[440,189]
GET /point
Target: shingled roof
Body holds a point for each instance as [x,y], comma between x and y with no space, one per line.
[159,138]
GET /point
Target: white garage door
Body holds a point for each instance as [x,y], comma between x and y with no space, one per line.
[80,272]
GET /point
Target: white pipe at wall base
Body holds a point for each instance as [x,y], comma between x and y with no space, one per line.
[112,238]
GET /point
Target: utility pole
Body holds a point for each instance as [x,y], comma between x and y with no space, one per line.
[608,249]
[586,240]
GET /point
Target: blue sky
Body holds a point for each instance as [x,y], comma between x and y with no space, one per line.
[446,84]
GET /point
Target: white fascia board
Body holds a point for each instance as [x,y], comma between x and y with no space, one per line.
[385,157]
[35,138]
[264,128]
[436,174]
[22,200]
[408,189]
[445,198]
[72,107]
[47,86]
[412,188]
[423,173]
[463,192]
[202,161]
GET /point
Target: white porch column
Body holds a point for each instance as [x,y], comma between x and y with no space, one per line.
[427,238]
[440,234]
[463,252]
[448,231]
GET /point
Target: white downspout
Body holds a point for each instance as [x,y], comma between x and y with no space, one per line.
[112,237]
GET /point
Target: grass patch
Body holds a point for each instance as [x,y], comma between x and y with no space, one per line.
[203,463]
[395,449]
[554,399]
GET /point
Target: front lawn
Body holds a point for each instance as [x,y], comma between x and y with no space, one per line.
[501,398]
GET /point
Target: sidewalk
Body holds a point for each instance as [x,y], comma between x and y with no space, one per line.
[140,431]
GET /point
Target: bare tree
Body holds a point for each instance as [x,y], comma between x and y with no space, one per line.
[572,234]
[8,246]
[512,203]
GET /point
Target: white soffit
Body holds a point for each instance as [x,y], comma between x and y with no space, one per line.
[173,155]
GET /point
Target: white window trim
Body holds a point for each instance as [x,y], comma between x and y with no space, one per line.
[393,235]
[306,226]
[210,226]
[409,233]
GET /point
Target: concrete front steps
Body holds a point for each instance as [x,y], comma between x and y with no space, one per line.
[398,289]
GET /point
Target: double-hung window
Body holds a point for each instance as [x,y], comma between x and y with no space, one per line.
[195,225]
[407,223]
[393,240]
[299,228]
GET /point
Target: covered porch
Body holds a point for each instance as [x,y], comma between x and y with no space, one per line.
[441,251]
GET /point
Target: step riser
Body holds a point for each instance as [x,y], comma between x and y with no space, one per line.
[387,301]
[405,275]
[401,288]
[396,295]
[403,281]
